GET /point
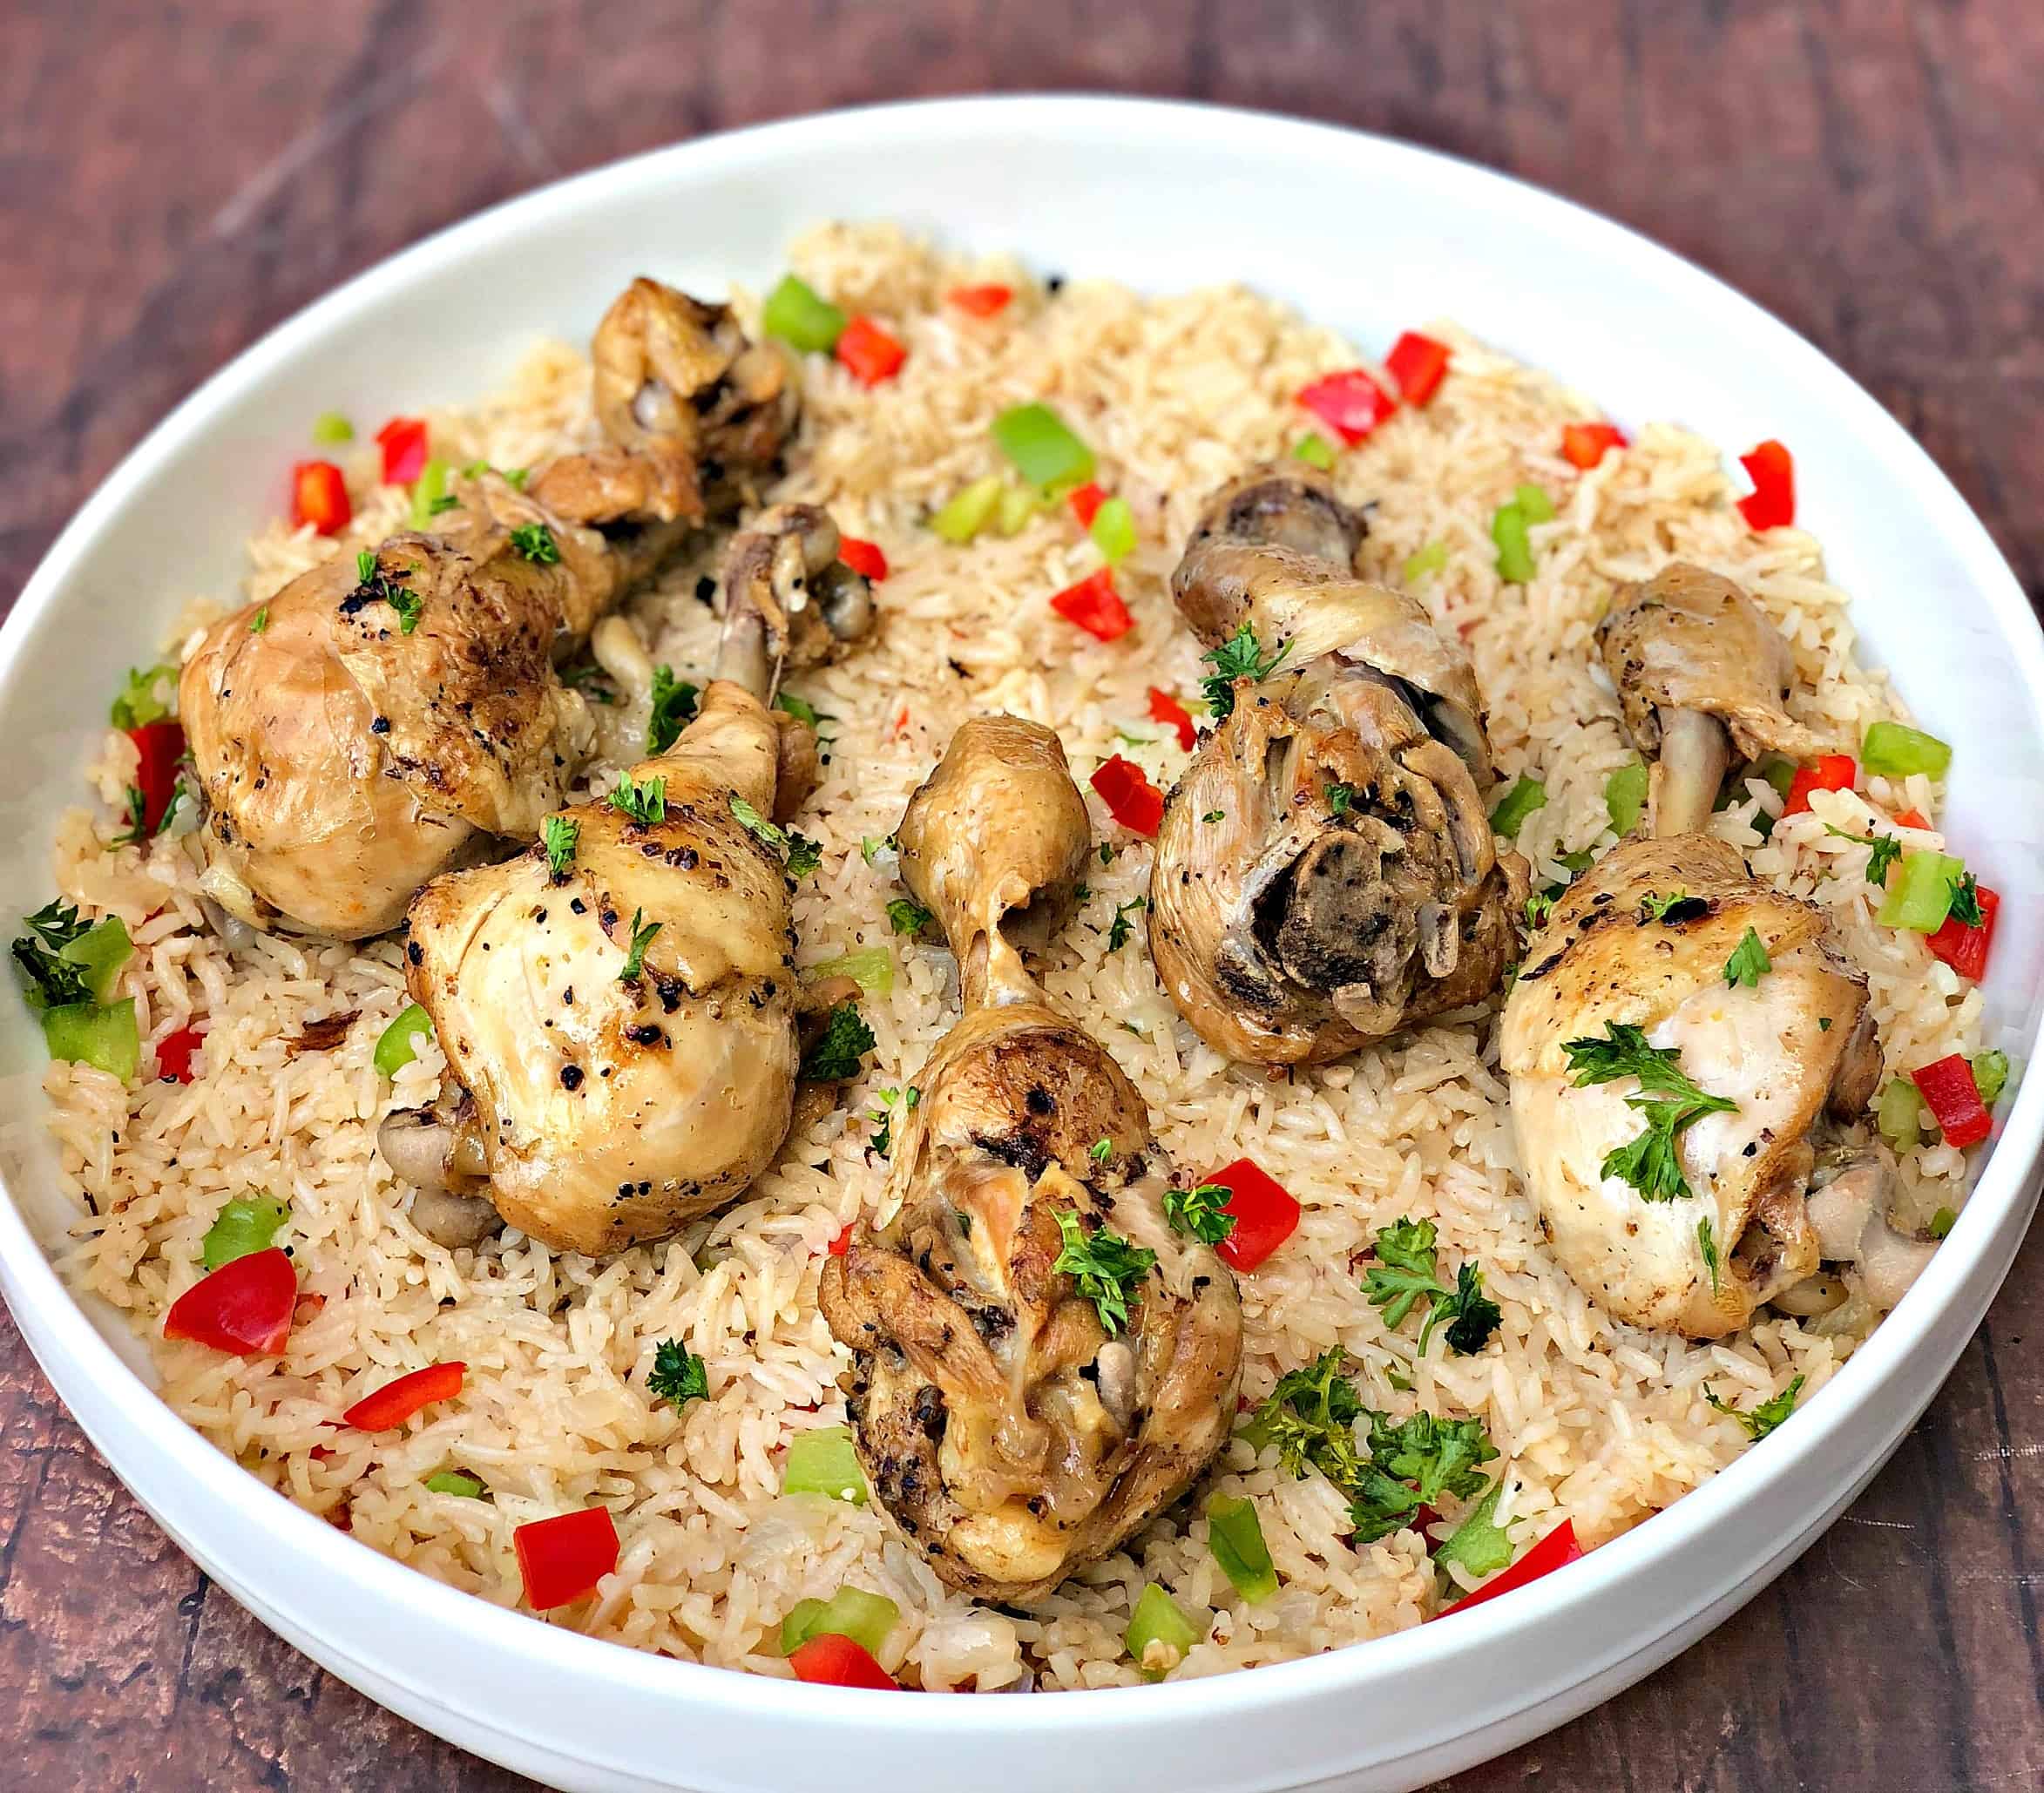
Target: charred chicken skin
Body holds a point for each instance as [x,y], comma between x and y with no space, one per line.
[1625,1005]
[397,714]
[618,1004]
[1325,875]
[1014,1427]
[1700,673]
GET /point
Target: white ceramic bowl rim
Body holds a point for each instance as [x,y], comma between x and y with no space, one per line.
[1528,1613]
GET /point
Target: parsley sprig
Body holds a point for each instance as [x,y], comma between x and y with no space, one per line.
[1676,906]
[374,585]
[1407,1273]
[55,979]
[1108,1269]
[1762,1420]
[1241,656]
[1668,1097]
[560,835]
[647,804]
[1201,1211]
[642,934]
[679,1376]
[535,541]
[835,1056]
[906,916]
[1748,962]
[1965,901]
[674,703]
[1882,851]
[800,856]
[1118,933]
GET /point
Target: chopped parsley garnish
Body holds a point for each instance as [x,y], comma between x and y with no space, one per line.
[1200,1211]
[674,703]
[1538,907]
[1883,850]
[804,855]
[883,1119]
[1106,852]
[1676,906]
[560,835]
[260,621]
[1120,929]
[589,680]
[441,505]
[1748,962]
[834,1057]
[1214,816]
[647,804]
[800,708]
[1766,1416]
[374,585]
[1101,1149]
[535,541]
[1407,1273]
[1708,1241]
[133,812]
[137,704]
[1310,1416]
[1108,1269]
[906,916]
[679,1376]
[641,939]
[1666,1097]
[55,979]
[1965,901]
[1340,799]
[872,846]
[1241,656]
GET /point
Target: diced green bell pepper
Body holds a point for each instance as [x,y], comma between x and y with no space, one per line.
[452,1481]
[871,966]
[101,951]
[1235,1535]
[397,1045]
[137,702]
[1112,528]
[823,1462]
[1624,797]
[1526,796]
[1533,502]
[100,1034]
[1921,898]
[427,489]
[1991,1076]
[1515,557]
[244,1226]
[1898,1117]
[969,511]
[1160,1621]
[331,427]
[802,317]
[1043,447]
[1895,751]
[1315,451]
[851,1612]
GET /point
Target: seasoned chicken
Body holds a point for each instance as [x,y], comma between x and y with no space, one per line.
[1014,1427]
[1325,874]
[618,1005]
[388,716]
[1700,671]
[1746,1083]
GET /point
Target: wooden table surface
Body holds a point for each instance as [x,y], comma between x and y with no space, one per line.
[176,179]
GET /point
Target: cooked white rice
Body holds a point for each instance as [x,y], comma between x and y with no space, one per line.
[1599,1421]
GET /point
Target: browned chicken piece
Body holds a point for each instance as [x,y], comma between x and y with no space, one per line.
[672,371]
[618,1004]
[397,714]
[1793,1054]
[1013,1427]
[1325,874]
[1700,673]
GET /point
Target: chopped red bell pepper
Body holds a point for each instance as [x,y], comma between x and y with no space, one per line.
[1349,403]
[1585,445]
[841,1244]
[1556,1550]
[981,302]
[1264,1213]
[1417,363]
[159,747]
[319,496]
[1085,500]
[1963,948]
[1834,772]
[1953,1099]
[243,1307]
[1910,818]
[1132,800]
[1095,605]
[563,1558]
[869,352]
[403,442]
[864,557]
[395,1401]
[1164,707]
[1771,503]
[831,1661]
[173,1054]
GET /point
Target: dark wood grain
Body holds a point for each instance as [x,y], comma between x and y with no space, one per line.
[173,181]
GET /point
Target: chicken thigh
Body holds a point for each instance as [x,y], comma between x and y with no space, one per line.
[391,714]
[1684,1044]
[1700,671]
[1325,873]
[618,1005]
[1040,1363]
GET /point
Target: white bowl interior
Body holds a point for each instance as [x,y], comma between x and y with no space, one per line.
[1363,234]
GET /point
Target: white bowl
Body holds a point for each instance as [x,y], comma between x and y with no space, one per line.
[1364,235]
